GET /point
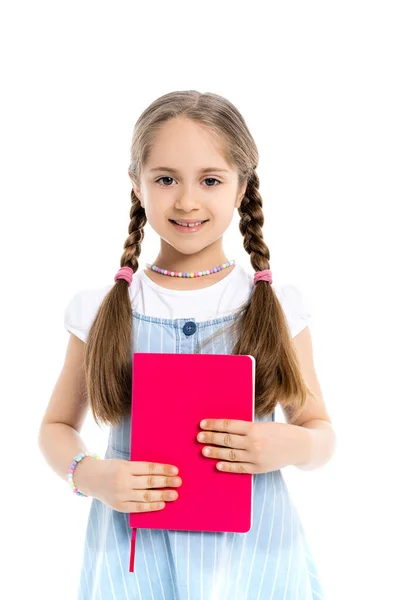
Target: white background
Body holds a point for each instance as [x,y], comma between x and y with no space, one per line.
[318,84]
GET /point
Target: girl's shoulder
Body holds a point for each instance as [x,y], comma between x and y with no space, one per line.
[82,308]
[296,304]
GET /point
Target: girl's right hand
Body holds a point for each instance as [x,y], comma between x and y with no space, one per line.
[130,486]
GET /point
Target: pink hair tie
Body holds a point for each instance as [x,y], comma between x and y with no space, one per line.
[265,275]
[125,273]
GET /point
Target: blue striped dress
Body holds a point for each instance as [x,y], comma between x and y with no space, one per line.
[270,562]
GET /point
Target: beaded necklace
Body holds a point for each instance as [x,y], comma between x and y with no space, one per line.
[193,274]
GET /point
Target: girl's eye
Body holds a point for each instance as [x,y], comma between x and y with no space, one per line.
[207,179]
[212,179]
[161,178]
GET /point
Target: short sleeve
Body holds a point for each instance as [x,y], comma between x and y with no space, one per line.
[296,306]
[82,309]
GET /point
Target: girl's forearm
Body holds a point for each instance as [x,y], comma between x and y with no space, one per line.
[59,444]
[316,444]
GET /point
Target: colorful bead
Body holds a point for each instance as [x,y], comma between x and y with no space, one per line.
[190,274]
[72,468]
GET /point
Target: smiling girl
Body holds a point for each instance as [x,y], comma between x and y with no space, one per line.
[193,162]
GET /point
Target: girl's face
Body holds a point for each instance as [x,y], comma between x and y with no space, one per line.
[187,177]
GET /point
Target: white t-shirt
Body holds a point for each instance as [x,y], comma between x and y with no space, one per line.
[222,298]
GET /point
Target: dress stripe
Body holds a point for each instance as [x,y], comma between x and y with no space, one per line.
[261,520]
[140,533]
[156,563]
[290,554]
[128,546]
[116,545]
[167,553]
[269,542]
[280,541]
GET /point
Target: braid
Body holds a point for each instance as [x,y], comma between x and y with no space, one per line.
[251,222]
[133,243]
[261,329]
[108,356]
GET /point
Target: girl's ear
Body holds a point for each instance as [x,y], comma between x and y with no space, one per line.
[136,190]
[134,186]
[241,194]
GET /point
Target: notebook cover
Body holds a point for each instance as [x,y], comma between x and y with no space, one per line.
[171,394]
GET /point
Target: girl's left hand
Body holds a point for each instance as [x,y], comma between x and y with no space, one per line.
[248,447]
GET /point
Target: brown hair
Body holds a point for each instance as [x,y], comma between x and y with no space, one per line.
[261,327]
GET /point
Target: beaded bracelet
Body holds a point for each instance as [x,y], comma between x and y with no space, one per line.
[72,468]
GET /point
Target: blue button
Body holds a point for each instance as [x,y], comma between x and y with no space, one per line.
[189,328]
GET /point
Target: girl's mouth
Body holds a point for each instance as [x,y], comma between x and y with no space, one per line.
[189,228]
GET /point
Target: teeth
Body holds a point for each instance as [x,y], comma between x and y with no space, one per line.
[188,224]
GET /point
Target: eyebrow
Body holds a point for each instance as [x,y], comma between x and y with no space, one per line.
[176,171]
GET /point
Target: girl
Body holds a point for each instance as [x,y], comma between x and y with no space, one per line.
[193,160]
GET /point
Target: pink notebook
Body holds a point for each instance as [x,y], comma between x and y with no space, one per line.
[171,394]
